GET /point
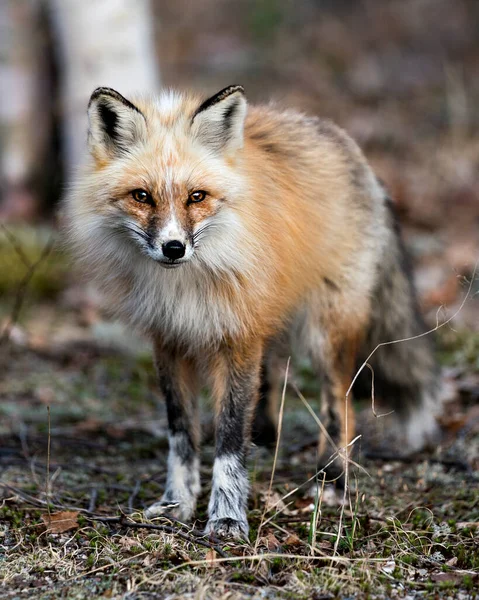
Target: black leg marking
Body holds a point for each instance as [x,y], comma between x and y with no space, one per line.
[264,428]
[183,477]
[229,493]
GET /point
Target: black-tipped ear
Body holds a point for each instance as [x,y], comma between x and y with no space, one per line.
[219,121]
[115,123]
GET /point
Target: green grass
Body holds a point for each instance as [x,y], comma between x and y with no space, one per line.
[49,278]
[399,529]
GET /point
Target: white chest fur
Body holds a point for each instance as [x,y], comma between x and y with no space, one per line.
[181,304]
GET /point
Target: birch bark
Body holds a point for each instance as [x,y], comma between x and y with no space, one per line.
[103,43]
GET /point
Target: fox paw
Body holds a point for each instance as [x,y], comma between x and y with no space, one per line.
[228,529]
[175,509]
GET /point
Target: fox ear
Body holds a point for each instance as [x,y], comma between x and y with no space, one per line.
[115,123]
[219,121]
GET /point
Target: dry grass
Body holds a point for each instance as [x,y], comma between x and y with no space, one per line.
[407,528]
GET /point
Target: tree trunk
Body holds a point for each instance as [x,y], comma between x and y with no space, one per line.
[102,43]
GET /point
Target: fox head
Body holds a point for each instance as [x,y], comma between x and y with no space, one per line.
[163,171]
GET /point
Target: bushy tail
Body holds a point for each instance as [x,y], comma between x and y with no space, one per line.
[406,375]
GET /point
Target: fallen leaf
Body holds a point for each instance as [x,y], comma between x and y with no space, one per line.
[304,504]
[292,540]
[270,541]
[127,543]
[452,577]
[182,556]
[467,525]
[389,566]
[273,501]
[211,555]
[62,521]
[148,560]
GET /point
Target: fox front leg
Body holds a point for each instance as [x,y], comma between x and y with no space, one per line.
[178,385]
[236,384]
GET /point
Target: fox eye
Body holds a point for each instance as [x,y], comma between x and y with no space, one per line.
[141,196]
[197,196]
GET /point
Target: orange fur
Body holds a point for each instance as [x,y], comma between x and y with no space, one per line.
[297,228]
[298,203]
[289,242]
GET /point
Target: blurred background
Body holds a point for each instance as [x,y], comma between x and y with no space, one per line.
[78,393]
[401,76]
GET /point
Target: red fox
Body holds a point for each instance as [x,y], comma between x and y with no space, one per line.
[226,233]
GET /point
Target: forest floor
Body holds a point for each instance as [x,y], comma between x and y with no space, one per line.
[83,450]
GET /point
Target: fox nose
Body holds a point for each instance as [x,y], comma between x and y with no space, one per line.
[173,249]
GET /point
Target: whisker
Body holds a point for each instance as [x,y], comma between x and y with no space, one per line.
[201,230]
[133,228]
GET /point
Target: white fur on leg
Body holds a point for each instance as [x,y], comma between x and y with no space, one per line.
[229,497]
[421,427]
[182,483]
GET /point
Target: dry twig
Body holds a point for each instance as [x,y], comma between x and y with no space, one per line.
[25,281]
[193,536]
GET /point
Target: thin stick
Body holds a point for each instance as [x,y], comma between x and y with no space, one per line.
[267,556]
[415,337]
[373,406]
[337,451]
[366,363]
[47,485]
[194,537]
[324,431]
[16,246]
[317,512]
[175,532]
[346,480]
[313,477]
[37,502]
[278,438]
[21,290]
[123,519]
